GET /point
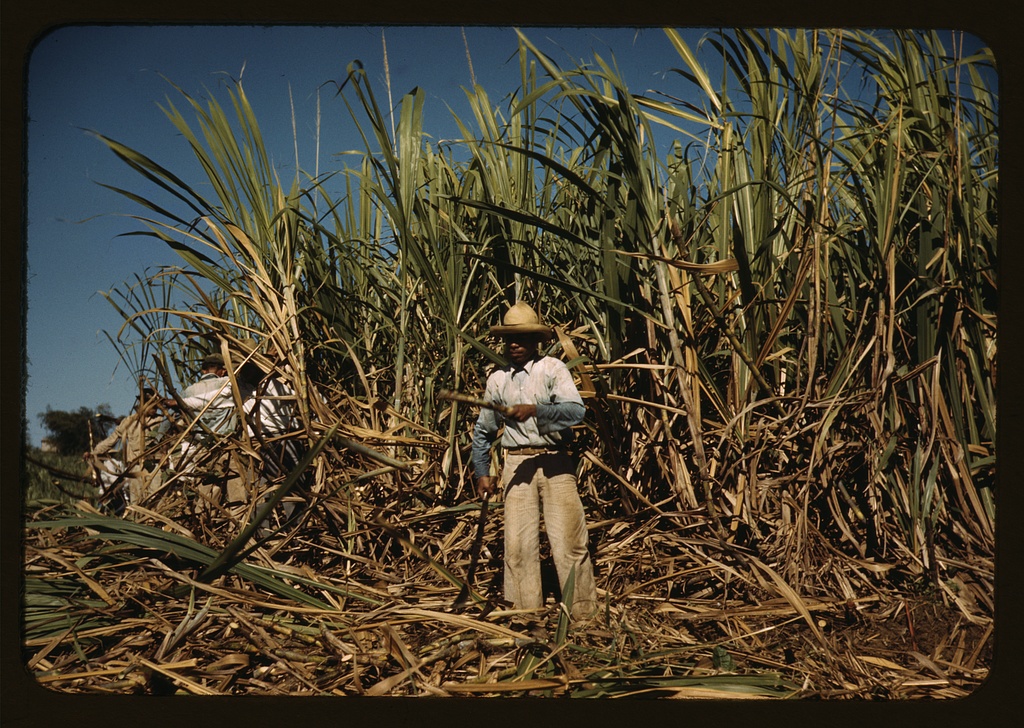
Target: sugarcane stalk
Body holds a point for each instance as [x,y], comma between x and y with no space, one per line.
[470,399]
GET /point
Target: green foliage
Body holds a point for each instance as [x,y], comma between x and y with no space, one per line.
[73,432]
[50,476]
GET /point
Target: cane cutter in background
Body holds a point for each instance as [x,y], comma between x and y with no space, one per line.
[463,599]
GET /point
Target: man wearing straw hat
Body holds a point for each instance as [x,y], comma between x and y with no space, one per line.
[125,449]
[210,401]
[538,472]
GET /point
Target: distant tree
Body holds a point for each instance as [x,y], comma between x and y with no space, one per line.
[69,431]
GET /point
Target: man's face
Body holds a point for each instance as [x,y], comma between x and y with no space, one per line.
[521,348]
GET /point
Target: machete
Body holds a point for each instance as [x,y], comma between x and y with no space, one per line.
[463,598]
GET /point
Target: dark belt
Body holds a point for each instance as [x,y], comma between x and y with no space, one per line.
[535,450]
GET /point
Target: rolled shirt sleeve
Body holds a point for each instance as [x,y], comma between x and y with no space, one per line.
[562,407]
[558,416]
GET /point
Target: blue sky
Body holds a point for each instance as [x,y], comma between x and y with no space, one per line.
[109,79]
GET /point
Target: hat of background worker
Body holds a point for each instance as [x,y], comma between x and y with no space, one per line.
[250,350]
[212,360]
[248,346]
[255,366]
[147,394]
[522,319]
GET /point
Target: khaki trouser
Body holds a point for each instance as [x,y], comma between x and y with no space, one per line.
[219,479]
[143,484]
[548,480]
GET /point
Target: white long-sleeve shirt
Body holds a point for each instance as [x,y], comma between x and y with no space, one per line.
[220,417]
[276,412]
[544,382]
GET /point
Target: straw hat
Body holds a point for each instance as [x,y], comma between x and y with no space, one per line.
[248,346]
[256,366]
[521,319]
[212,360]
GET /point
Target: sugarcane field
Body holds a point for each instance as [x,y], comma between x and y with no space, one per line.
[742,343]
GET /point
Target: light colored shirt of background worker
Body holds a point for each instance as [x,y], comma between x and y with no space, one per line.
[122,453]
[539,472]
[273,426]
[211,399]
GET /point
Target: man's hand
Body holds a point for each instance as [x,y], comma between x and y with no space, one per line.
[522,412]
[486,484]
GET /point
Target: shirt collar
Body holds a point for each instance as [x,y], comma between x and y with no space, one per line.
[527,367]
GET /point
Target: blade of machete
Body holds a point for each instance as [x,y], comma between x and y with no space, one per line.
[463,598]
